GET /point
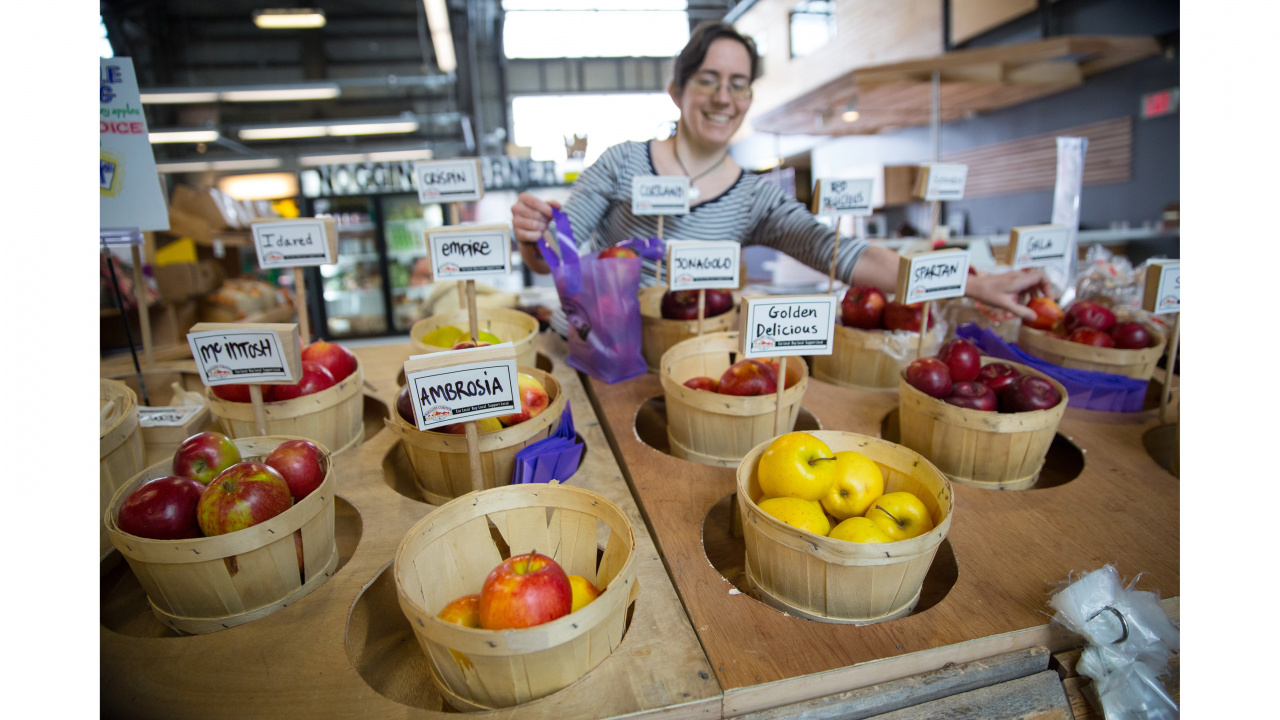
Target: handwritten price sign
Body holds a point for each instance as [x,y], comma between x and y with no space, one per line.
[659,195]
[446,181]
[298,242]
[1038,246]
[257,353]
[462,385]
[465,252]
[932,275]
[1163,290]
[842,197]
[703,265]
[796,325]
[944,181]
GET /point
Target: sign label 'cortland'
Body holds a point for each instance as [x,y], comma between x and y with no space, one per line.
[945,181]
[932,275]
[1038,246]
[443,181]
[659,195]
[255,355]
[842,197]
[301,242]
[703,265]
[797,325]
[463,385]
[469,251]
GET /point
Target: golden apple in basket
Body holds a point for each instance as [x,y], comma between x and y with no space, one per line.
[858,482]
[533,400]
[859,530]
[464,611]
[796,465]
[900,515]
[583,592]
[803,514]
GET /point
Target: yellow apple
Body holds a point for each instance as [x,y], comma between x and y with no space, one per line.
[900,515]
[796,465]
[443,337]
[858,482]
[583,592]
[483,425]
[803,514]
[859,530]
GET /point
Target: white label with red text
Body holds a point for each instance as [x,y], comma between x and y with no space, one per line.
[462,255]
[167,416]
[463,392]
[946,181]
[659,195]
[446,181]
[937,275]
[228,357]
[1039,245]
[1169,292]
[695,265]
[299,243]
[789,326]
[844,197]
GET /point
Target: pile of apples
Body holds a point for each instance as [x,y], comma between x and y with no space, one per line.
[213,491]
[1088,323]
[533,400]
[324,364]
[958,377]
[839,495]
[865,307]
[521,592]
[683,304]
[455,338]
[743,378]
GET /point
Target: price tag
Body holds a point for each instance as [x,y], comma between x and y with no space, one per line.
[167,416]
[842,197]
[256,353]
[296,242]
[1037,246]
[463,252]
[796,325]
[461,385]
[659,195]
[1163,290]
[932,275]
[707,265]
[446,181]
[943,181]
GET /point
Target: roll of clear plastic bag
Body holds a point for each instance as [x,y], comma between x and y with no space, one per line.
[1130,639]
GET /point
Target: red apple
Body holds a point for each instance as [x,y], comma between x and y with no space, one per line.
[524,591]
[617,251]
[774,365]
[930,376]
[1089,336]
[242,496]
[1090,315]
[863,308]
[683,304]
[1131,336]
[1027,393]
[464,611]
[997,375]
[468,343]
[301,463]
[1047,312]
[898,316]
[972,395]
[162,509]
[315,377]
[703,382]
[962,359]
[404,406]
[337,359]
[748,377]
[232,393]
[533,400]
[204,455]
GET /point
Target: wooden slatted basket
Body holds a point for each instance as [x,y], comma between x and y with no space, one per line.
[207,584]
[441,467]
[333,417]
[862,359]
[819,578]
[716,429]
[449,553]
[121,451]
[998,451]
[1140,364]
[658,335]
[518,328]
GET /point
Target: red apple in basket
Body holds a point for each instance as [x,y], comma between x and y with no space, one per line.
[930,376]
[973,395]
[204,455]
[1131,336]
[997,375]
[337,360]
[301,463]
[404,406]
[1047,312]
[962,359]
[703,382]
[242,496]
[617,251]
[775,365]
[315,377]
[1088,314]
[863,308]
[1089,336]
[162,509]
[748,377]
[1027,393]
[898,316]
[533,400]
[232,393]
[683,304]
[468,343]
[524,591]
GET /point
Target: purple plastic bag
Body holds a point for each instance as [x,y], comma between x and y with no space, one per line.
[601,304]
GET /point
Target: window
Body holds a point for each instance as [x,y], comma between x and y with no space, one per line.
[589,28]
[813,23]
[545,122]
[104,45]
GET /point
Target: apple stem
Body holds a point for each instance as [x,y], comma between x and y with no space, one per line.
[891,517]
[811,462]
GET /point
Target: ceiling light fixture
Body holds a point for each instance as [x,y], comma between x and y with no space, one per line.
[265,163]
[441,35]
[269,186]
[849,116]
[370,126]
[176,97]
[183,136]
[267,93]
[282,133]
[378,128]
[288,18]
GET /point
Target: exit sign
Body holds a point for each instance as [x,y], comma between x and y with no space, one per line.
[1160,103]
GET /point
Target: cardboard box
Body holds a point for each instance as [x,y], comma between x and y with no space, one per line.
[180,281]
[899,180]
[209,204]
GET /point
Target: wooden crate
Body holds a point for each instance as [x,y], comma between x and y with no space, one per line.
[872,358]
[513,326]
[1140,364]
[658,335]
[333,417]
[121,451]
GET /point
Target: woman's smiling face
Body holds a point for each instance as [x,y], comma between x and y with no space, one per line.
[716,97]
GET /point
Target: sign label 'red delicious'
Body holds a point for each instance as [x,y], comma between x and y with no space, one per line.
[697,265]
[300,242]
[795,325]
[842,197]
[464,252]
[446,181]
[932,276]
[659,195]
[254,353]
[463,385]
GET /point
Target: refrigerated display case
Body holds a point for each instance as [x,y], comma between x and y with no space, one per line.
[408,267]
[354,292]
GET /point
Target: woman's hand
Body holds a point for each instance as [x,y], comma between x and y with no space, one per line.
[1003,290]
[530,217]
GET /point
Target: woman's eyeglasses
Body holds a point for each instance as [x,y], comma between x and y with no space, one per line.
[739,89]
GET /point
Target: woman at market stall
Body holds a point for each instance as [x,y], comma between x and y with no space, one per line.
[711,84]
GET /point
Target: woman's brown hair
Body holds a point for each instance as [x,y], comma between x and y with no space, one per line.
[695,52]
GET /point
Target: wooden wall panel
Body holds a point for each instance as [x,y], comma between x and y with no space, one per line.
[970,18]
[1030,163]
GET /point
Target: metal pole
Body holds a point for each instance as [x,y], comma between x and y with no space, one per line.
[128,332]
[935,119]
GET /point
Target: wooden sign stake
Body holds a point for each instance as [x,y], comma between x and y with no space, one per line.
[702,307]
[473,451]
[657,274]
[835,253]
[782,386]
[1168,368]
[259,412]
[472,313]
[933,222]
[300,304]
[924,329]
[455,213]
[144,313]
